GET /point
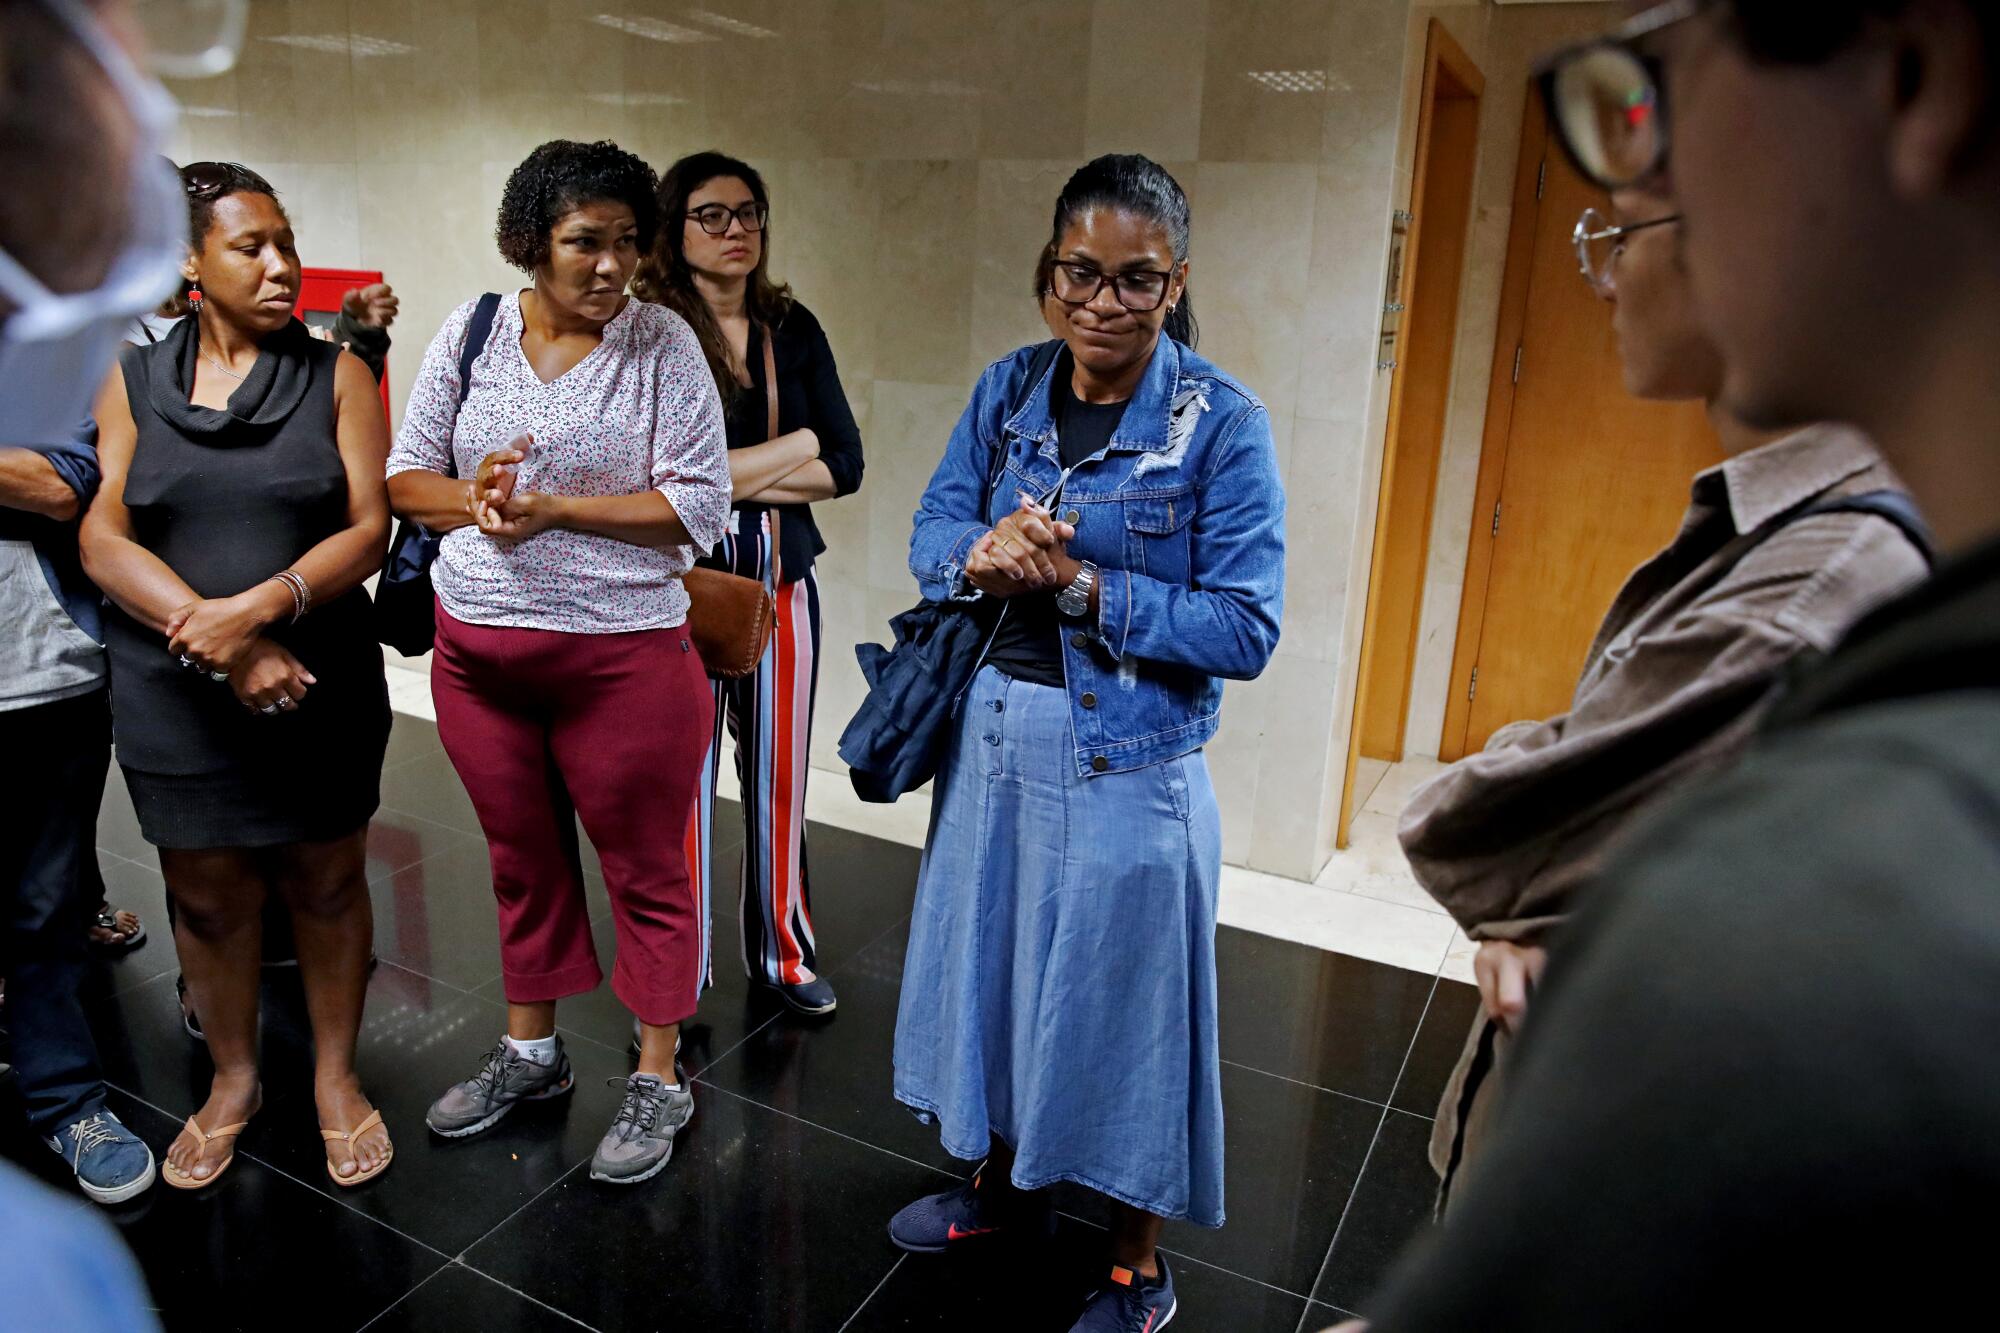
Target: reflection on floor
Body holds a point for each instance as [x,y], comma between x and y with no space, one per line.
[1364,903]
[770,1217]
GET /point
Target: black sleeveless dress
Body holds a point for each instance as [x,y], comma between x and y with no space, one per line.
[228,498]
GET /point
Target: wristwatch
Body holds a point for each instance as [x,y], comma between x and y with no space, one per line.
[1074,601]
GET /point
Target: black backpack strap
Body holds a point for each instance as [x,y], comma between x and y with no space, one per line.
[1894,506]
[1038,366]
[477,333]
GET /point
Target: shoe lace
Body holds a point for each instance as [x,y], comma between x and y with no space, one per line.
[494,1072]
[88,1134]
[641,1108]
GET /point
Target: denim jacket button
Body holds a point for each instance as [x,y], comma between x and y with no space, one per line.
[1073,518]
[1099,764]
[1079,640]
[1088,700]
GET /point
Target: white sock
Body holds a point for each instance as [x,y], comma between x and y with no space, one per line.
[542,1050]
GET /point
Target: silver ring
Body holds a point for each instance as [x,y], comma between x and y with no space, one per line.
[218,675]
[269,709]
[186,661]
[287,702]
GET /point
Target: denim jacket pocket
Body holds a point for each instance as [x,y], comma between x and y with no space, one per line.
[1156,535]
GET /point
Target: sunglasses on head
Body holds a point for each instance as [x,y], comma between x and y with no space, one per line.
[205,180]
[1606,99]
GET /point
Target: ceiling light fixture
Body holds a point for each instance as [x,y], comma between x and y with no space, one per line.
[1289,80]
[729,25]
[652,29]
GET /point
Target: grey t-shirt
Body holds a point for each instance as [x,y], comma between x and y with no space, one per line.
[44,656]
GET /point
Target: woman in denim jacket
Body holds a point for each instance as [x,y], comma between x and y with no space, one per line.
[1058,1014]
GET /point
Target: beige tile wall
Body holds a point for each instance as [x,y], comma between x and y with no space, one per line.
[914,149]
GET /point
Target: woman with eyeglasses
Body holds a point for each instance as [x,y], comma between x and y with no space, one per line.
[1784,546]
[1058,1003]
[567,441]
[241,509]
[711,265]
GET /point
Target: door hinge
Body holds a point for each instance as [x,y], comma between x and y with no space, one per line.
[1541,177]
[1472,690]
[1496,518]
[1517,363]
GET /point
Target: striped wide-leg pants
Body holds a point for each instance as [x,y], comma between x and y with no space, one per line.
[770,714]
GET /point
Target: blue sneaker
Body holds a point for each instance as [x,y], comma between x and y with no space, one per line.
[1128,1303]
[940,1222]
[111,1162]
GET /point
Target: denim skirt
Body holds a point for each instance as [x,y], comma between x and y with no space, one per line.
[1059,989]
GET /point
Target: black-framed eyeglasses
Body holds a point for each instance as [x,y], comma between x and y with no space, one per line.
[1139,290]
[715,218]
[1599,241]
[1606,99]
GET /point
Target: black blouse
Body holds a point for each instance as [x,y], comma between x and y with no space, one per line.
[809,396]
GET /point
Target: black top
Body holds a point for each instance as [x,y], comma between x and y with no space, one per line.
[809,396]
[228,498]
[1757,1087]
[1028,644]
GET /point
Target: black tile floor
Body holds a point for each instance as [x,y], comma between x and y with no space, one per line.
[771,1216]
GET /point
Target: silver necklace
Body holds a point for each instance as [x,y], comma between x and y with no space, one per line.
[219,366]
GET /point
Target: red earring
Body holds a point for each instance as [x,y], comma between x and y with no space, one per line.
[194,299]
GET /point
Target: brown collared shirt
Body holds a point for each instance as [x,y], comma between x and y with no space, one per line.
[1674,683]
[1674,686]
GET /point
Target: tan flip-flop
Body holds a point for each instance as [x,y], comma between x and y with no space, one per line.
[348,1136]
[182,1180]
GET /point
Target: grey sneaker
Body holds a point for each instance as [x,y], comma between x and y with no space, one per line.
[504,1080]
[641,1140]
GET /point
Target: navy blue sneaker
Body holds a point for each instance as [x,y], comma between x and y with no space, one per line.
[111,1162]
[1128,1303]
[940,1222]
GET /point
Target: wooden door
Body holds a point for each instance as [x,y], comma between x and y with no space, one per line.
[1586,481]
[1419,395]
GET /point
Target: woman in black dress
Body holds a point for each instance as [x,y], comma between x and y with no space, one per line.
[241,509]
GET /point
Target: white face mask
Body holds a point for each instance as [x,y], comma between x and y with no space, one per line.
[54,347]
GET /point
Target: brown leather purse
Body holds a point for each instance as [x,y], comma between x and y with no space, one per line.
[730,618]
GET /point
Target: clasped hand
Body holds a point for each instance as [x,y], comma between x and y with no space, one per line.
[215,633]
[496,507]
[1025,552]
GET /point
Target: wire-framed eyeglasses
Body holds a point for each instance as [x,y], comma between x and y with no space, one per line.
[1598,242]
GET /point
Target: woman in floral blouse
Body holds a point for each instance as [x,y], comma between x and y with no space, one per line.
[576,477]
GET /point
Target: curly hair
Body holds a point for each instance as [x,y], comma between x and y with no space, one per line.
[561,176]
[664,277]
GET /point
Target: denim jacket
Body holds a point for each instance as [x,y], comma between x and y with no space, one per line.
[1183,513]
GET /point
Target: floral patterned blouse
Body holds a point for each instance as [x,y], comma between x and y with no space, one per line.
[639,412]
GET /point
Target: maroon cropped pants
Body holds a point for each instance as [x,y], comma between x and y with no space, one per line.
[619,724]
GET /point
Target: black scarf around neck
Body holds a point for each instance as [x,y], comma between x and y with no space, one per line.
[266,398]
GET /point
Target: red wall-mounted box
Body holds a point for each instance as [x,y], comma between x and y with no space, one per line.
[320,293]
